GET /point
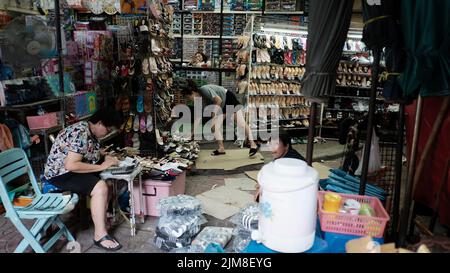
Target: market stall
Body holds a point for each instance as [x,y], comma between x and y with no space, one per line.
[103,94]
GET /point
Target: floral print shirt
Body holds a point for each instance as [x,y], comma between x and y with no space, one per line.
[76,138]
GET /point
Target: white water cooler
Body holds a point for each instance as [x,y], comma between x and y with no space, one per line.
[288,206]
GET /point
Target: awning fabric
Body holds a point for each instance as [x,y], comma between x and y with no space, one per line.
[426,29]
[328,25]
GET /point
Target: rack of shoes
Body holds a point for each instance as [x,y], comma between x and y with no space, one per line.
[143,75]
[277,67]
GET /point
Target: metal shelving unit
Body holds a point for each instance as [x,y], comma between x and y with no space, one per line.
[222,11]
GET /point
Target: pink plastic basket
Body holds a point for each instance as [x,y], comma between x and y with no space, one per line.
[354,224]
[46,121]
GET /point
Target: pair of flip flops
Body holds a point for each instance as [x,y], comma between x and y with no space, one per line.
[107,237]
[142,123]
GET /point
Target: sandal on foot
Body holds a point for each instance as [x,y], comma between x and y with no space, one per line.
[252,151]
[216,153]
[107,237]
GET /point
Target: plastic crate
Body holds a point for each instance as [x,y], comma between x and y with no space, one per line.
[46,121]
[354,224]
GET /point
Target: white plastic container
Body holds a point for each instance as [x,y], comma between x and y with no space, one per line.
[288,206]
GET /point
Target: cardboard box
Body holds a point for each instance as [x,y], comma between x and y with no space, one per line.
[367,245]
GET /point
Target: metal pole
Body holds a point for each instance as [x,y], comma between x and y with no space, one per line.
[249,66]
[370,123]
[322,108]
[411,168]
[398,169]
[60,58]
[311,133]
[220,40]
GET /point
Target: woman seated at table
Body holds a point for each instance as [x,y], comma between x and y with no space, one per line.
[71,166]
[281,147]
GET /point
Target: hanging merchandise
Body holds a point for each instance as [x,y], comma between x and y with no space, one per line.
[382,29]
[133,6]
[109,6]
[143,75]
[375,160]
[75,4]
[325,42]
[206,5]
[425,27]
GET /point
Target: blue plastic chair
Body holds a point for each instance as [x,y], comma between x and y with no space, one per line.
[45,208]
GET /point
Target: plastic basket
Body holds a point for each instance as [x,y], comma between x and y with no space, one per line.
[46,121]
[354,224]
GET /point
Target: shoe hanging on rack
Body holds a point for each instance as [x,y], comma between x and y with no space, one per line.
[136,123]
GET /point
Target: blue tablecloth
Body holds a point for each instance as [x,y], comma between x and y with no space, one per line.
[336,242]
[326,242]
[320,246]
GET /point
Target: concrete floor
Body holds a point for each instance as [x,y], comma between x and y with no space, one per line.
[197,181]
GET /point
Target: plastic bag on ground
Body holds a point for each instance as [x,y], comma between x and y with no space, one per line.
[247,217]
[241,239]
[175,226]
[179,205]
[218,235]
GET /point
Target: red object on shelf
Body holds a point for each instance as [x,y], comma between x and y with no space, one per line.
[358,225]
[46,121]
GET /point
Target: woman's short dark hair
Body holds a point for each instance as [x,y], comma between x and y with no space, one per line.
[285,138]
[189,87]
[108,117]
[204,57]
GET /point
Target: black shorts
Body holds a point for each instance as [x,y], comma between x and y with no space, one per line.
[231,100]
[80,183]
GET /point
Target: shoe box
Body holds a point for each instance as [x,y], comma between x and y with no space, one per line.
[155,190]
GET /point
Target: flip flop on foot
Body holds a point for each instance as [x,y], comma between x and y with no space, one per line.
[252,151]
[216,153]
[108,237]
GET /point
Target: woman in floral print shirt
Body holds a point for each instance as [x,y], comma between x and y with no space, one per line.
[72,165]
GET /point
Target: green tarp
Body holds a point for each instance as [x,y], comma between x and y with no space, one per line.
[426,29]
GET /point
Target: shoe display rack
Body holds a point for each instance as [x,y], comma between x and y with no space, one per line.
[353,85]
[275,70]
[213,28]
[141,72]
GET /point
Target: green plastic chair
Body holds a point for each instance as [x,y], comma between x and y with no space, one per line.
[45,208]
